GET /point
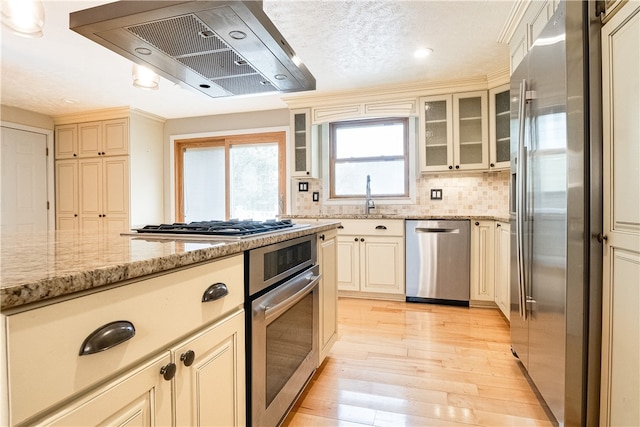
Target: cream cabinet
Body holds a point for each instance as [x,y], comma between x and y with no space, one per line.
[327,259]
[103,138]
[304,154]
[454,132]
[116,181]
[104,193]
[67,195]
[533,21]
[502,266]
[499,128]
[52,366]
[371,258]
[482,263]
[620,385]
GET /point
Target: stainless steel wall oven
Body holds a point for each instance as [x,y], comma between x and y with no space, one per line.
[282,326]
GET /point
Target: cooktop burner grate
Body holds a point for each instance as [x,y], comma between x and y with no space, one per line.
[217,228]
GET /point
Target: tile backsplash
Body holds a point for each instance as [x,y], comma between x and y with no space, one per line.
[480,194]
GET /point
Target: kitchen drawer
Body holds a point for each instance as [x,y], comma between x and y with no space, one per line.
[372,227]
[43,345]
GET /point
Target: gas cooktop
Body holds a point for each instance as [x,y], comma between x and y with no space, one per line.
[221,230]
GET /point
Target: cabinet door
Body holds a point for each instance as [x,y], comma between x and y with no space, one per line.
[89,139]
[348,263]
[470,132]
[301,135]
[115,186]
[115,137]
[499,132]
[482,262]
[210,381]
[436,134]
[66,141]
[382,264]
[90,183]
[66,194]
[327,259]
[503,241]
[139,398]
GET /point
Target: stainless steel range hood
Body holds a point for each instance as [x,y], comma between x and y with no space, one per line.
[220,48]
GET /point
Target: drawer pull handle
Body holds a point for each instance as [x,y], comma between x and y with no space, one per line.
[168,371]
[188,357]
[215,292]
[341,227]
[381,227]
[107,336]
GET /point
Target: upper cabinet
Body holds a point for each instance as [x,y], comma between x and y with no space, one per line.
[534,19]
[103,138]
[499,132]
[304,158]
[453,132]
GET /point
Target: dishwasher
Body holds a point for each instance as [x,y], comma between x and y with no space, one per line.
[437,261]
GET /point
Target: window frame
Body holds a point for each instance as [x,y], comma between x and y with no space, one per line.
[333,126]
[180,145]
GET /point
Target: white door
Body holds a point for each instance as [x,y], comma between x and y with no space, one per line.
[24,180]
[620,402]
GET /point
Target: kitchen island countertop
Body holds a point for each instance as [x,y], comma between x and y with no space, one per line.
[40,268]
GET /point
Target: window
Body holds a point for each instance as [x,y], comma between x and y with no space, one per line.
[378,148]
[239,177]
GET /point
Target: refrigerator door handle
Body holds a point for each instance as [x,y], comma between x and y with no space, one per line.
[520,202]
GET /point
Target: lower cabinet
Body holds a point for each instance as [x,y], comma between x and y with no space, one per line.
[327,259]
[482,265]
[502,265]
[208,375]
[371,258]
[139,398]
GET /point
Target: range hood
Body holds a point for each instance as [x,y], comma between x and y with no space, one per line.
[220,48]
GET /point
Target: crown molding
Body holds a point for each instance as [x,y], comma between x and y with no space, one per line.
[498,78]
[386,93]
[105,114]
[513,20]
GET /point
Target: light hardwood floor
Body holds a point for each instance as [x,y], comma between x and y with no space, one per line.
[407,364]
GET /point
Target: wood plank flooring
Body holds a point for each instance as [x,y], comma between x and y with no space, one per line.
[407,364]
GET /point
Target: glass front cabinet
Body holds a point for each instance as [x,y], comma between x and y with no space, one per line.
[499,132]
[304,159]
[454,132]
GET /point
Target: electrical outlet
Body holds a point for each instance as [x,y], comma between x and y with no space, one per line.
[316,196]
[436,194]
[303,186]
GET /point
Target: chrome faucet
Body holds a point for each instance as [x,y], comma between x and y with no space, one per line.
[368,203]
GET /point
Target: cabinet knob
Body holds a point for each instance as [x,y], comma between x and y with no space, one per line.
[215,292]
[450,167]
[307,172]
[168,371]
[188,357]
[601,237]
[477,223]
[75,215]
[103,153]
[498,225]
[457,166]
[355,240]
[321,237]
[492,165]
[75,155]
[99,153]
[362,240]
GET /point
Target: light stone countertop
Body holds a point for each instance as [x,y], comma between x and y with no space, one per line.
[337,217]
[41,267]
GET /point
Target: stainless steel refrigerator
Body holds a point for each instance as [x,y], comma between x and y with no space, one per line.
[556,213]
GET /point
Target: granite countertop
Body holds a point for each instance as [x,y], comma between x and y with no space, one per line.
[38,267]
[324,217]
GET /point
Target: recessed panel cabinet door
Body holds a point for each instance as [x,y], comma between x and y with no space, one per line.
[90,179]
[116,185]
[210,378]
[348,263]
[140,398]
[383,264]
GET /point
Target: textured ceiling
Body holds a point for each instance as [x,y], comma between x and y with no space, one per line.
[345,44]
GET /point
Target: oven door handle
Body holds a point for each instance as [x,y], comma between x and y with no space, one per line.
[274,311]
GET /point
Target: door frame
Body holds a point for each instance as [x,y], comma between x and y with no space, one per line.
[51,196]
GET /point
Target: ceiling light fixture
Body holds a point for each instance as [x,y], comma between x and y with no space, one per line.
[23,17]
[422,52]
[144,78]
